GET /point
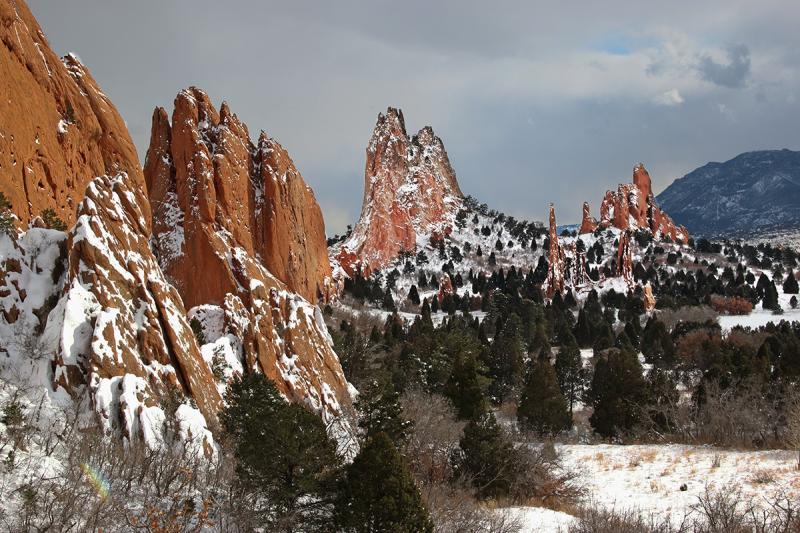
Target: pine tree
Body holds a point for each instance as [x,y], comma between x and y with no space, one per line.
[427,321]
[506,365]
[570,372]
[284,456]
[51,220]
[464,387]
[617,393]
[413,295]
[379,493]
[487,457]
[380,411]
[770,300]
[542,407]
[6,217]
[790,286]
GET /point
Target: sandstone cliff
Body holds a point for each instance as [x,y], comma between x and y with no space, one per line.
[239,233]
[58,131]
[410,193]
[206,178]
[632,206]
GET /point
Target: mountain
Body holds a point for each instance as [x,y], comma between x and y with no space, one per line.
[752,194]
[171,279]
[632,206]
[410,195]
[58,130]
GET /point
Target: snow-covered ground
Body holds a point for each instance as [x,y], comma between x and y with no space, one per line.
[648,478]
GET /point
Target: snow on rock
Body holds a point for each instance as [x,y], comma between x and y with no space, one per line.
[205,175]
[124,331]
[56,126]
[632,206]
[410,194]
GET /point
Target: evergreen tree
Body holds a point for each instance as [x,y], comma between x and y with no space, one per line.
[427,321]
[285,460]
[570,372]
[388,301]
[487,457]
[492,259]
[380,411]
[51,220]
[6,217]
[506,365]
[770,300]
[464,387]
[542,407]
[790,285]
[379,493]
[413,295]
[617,393]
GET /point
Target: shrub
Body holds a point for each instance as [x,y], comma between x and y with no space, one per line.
[731,305]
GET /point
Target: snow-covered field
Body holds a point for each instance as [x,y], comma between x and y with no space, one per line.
[648,478]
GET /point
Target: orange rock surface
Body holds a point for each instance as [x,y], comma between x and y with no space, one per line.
[633,206]
[410,191]
[206,178]
[58,131]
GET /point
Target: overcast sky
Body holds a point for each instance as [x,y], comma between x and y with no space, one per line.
[534,102]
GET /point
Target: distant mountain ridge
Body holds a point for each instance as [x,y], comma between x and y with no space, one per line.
[753,194]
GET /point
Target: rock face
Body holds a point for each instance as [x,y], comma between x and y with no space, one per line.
[625,258]
[207,181]
[755,194]
[123,327]
[238,232]
[410,192]
[632,206]
[58,131]
[555,265]
[588,223]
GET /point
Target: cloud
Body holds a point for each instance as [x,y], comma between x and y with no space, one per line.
[733,74]
[670,98]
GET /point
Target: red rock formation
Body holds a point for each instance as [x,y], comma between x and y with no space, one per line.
[445,287]
[205,176]
[633,206]
[57,128]
[125,332]
[555,266]
[649,298]
[588,224]
[624,258]
[229,219]
[410,191]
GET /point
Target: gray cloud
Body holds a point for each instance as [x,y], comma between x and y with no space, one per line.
[732,74]
[530,107]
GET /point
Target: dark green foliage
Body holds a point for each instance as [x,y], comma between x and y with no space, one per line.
[379,494]
[51,220]
[487,457]
[617,393]
[656,344]
[286,464]
[542,407]
[506,360]
[570,372]
[6,217]
[413,295]
[197,329]
[465,389]
[790,285]
[380,411]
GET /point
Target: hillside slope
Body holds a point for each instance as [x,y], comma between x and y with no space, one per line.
[752,194]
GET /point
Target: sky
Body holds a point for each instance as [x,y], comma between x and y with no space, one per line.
[536,102]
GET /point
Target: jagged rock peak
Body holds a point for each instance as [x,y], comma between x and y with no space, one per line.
[410,193]
[204,174]
[555,265]
[633,206]
[58,130]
